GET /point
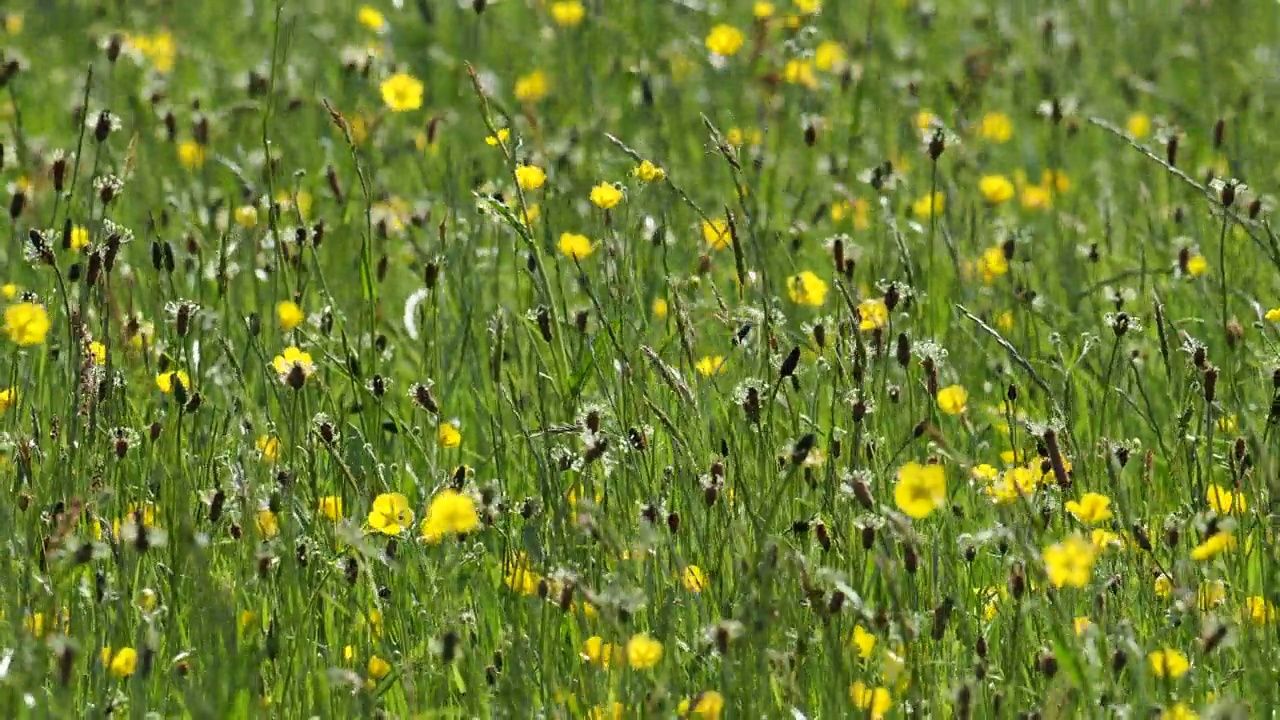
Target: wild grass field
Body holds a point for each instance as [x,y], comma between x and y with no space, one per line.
[653,359]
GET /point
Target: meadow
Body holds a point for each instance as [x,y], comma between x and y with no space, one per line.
[669,358]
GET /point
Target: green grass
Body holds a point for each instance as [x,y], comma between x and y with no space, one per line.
[1109,331]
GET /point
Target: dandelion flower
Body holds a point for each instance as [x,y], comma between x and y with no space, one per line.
[402,92]
[762,10]
[575,246]
[1091,508]
[7,399]
[643,652]
[1178,711]
[993,264]
[1273,315]
[1169,663]
[807,289]
[659,308]
[530,177]
[390,514]
[377,668]
[920,489]
[953,399]
[1224,500]
[606,196]
[1081,624]
[725,40]
[26,323]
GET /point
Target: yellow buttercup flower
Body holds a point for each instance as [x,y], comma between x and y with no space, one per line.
[567,13]
[799,72]
[79,237]
[26,323]
[996,127]
[606,196]
[330,506]
[7,399]
[929,205]
[191,154]
[166,381]
[402,92]
[648,172]
[706,705]
[598,652]
[659,308]
[1213,546]
[390,514]
[1070,562]
[725,40]
[293,364]
[268,524]
[1259,610]
[643,652]
[501,138]
[450,513]
[268,447]
[920,489]
[762,10]
[1197,265]
[246,216]
[864,641]
[953,399]
[377,668]
[1224,500]
[1178,711]
[575,246]
[872,701]
[993,264]
[371,18]
[533,87]
[289,315]
[1138,125]
[996,189]
[448,435]
[97,352]
[829,56]
[693,579]
[1081,624]
[1091,508]
[530,177]
[873,314]
[807,289]
[1169,663]
[710,365]
[716,233]
[122,663]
